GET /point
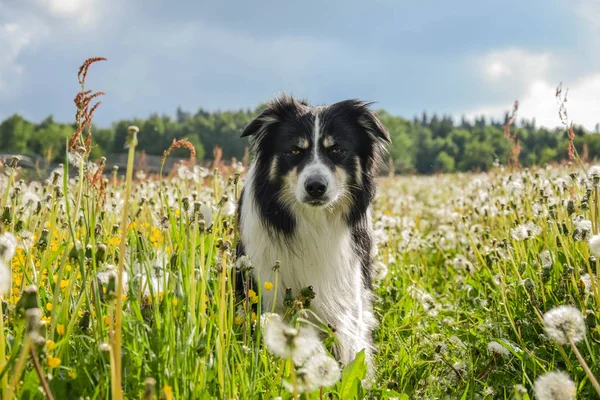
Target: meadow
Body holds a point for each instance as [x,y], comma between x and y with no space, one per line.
[120,284]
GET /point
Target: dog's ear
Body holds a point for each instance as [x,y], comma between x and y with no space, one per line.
[360,111]
[373,125]
[275,111]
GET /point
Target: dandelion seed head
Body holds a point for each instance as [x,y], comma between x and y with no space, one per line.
[555,385]
[594,243]
[497,349]
[321,371]
[290,343]
[8,245]
[565,323]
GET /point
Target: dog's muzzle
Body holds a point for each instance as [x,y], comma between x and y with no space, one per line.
[316,187]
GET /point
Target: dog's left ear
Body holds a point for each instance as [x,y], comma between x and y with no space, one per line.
[368,120]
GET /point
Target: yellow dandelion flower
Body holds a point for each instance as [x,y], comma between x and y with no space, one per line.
[72,374]
[106,320]
[252,296]
[268,286]
[50,345]
[60,329]
[238,320]
[175,302]
[49,306]
[46,320]
[68,268]
[167,392]
[64,283]
[53,362]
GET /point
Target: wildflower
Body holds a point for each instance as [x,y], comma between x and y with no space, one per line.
[167,392]
[104,347]
[50,344]
[555,385]
[268,286]
[514,187]
[267,318]
[49,306]
[586,280]
[229,208]
[252,296]
[497,349]
[321,371]
[206,212]
[594,170]
[72,374]
[380,271]
[53,362]
[243,263]
[546,259]
[525,231]
[5,277]
[60,329]
[8,245]
[287,342]
[565,324]
[594,243]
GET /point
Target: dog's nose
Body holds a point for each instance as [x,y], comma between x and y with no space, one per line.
[316,185]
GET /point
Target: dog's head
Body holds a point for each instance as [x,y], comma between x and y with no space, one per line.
[316,156]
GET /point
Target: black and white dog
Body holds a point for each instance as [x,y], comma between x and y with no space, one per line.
[307,203]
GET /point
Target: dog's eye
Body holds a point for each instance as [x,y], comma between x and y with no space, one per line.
[294,152]
[335,150]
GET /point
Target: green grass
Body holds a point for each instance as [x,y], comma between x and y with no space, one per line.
[458,280]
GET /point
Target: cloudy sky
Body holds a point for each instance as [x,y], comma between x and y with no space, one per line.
[460,57]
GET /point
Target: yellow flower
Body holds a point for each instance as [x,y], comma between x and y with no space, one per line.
[72,374]
[268,286]
[53,362]
[68,268]
[168,392]
[49,306]
[64,283]
[238,320]
[252,296]
[60,329]
[106,320]
[175,302]
[50,344]
[46,320]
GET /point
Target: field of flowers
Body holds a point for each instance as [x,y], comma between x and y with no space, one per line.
[487,289]
[122,285]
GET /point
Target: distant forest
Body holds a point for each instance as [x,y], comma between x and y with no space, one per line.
[425,144]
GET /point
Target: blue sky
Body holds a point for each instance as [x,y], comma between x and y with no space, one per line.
[461,57]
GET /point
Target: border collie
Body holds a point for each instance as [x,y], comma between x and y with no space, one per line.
[307,203]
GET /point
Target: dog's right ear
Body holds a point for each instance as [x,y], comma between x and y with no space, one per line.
[260,124]
[282,107]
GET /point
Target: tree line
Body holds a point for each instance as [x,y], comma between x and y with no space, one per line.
[424,144]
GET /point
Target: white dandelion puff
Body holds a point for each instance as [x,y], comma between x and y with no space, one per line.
[321,371]
[594,243]
[8,245]
[497,349]
[565,324]
[586,280]
[555,385]
[287,342]
[5,278]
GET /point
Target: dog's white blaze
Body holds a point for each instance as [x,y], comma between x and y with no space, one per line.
[316,167]
[321,254]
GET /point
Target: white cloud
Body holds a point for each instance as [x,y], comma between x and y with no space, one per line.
[538,101]
[28,23]
[513,65]
[82,13]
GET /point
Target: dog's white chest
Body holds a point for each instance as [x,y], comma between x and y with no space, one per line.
[319,254]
